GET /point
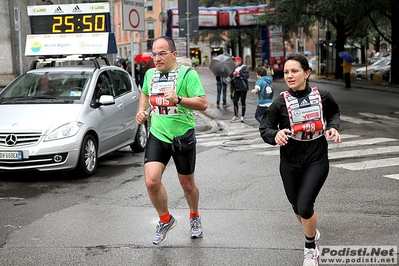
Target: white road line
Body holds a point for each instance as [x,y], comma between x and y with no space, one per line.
[369,164]
[244,146]
[348,136]
[269,153]
[364,152]
[394,176]
[354,120]
[344,144]
[383,117]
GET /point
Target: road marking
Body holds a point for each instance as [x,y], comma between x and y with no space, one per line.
[361,153]
[354,120]
[368,164]
[269,153]
[375,116]
[353,143]
[395,176]
[348,136]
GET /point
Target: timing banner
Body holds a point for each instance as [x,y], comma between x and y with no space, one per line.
[67,44]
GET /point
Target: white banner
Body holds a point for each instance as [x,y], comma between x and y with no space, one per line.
[66,44]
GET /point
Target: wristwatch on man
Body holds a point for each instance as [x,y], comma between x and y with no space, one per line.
[179,98]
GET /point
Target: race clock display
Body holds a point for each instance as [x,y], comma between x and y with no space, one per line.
[74,18]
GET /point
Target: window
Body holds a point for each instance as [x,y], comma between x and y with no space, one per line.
[150,28]
[150,4]
[104,86]
[149,44]
[171,3]
[121,82]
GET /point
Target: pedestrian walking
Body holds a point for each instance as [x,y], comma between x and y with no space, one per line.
[123,63]
[239,80]
[264,90]
[300,121]
[172,92]
[141,74]
[137,77]
[347,66]
[269,69]
[221,87]
[196,62]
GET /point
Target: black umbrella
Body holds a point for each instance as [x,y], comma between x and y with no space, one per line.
[222,65]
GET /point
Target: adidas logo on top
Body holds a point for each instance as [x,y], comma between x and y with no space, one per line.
[76,9]
[304,102]
[58,10]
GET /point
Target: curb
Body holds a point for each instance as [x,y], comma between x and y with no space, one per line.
[212,123]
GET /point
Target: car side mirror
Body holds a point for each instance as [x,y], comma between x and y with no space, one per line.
[106,100]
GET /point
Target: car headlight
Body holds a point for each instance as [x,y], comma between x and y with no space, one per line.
[65,131]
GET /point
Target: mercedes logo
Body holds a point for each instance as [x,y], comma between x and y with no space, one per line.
[11,140]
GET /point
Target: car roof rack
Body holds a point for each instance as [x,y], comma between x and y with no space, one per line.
[52,59]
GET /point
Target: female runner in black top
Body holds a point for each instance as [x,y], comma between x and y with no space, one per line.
[300,121]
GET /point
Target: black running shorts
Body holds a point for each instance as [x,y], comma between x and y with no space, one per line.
[160,151]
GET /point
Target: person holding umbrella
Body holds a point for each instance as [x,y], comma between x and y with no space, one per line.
[347,73]
[222,66]
[348,59]
[221,88]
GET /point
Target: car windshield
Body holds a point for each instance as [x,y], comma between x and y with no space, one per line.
[45,86]
[381,62]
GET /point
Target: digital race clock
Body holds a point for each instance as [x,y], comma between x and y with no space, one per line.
[73,18]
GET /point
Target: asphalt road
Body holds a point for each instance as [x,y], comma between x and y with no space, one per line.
[107,219]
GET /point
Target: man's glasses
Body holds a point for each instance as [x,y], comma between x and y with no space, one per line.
[160,54]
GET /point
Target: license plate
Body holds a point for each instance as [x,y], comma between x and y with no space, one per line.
[10,155]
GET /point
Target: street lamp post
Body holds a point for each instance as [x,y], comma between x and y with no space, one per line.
[188,28]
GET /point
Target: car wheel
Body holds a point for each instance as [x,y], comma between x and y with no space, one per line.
[88,161]
[140,141]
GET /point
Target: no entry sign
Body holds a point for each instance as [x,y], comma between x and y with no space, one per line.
[133,15]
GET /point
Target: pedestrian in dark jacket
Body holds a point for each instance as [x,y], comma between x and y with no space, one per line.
[239,80]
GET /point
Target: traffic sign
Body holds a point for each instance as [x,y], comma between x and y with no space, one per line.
[133,15]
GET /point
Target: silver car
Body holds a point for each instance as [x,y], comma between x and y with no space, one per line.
[65,118]
[365,72]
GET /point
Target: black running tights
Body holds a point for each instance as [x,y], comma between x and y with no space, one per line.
[302,185]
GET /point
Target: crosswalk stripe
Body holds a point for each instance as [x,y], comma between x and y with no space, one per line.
[361,153]
[379,117]
[353,143]
[369,164]
[269,153]
[395,176]
[354,120]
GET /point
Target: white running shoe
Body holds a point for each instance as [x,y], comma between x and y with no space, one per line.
[162,231]
[234,119]
[242,119]
[311,256]
[317,236]
[196,227]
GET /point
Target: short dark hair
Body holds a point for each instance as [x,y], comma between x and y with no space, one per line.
[171,43]
[261,71]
